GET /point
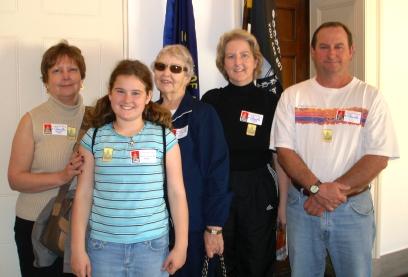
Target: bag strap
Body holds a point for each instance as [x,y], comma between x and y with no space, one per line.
[166,198]
[204,272]
[93,139]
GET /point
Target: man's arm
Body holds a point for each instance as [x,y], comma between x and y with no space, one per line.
[295,166]
[359,176]
[330,195]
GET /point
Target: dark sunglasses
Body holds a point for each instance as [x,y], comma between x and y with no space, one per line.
[174,68]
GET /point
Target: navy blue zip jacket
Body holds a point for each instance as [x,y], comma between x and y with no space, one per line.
[204,154]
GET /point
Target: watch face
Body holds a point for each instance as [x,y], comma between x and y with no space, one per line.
[314,189]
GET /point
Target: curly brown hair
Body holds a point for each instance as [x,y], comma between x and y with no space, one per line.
[153,112]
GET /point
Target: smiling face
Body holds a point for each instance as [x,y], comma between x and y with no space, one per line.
[168,82]
[239,62]
[128,98]
[64,80]
[332,53]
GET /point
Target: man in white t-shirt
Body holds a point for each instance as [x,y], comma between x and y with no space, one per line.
[333,134]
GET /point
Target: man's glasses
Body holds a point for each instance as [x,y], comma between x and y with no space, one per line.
[174,68]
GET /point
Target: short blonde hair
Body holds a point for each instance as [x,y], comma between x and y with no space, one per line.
[238,34]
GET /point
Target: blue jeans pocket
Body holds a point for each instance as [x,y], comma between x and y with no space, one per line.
[362,203]
[293,196]
[159,244]
[96,244]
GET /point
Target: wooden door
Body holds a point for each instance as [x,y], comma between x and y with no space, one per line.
[293,34]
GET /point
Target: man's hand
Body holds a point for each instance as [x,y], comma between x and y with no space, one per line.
[331,195]
[313,207]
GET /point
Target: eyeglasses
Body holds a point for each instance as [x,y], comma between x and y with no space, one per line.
[174,68]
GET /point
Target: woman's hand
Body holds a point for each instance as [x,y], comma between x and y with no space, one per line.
[175,260]
[73,168]
[214,243]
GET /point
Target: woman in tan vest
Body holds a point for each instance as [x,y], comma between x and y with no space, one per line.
[41,156]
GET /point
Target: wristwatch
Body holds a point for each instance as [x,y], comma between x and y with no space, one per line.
[213,231]
[314,189]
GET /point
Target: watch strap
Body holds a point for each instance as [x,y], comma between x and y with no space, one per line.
[213,231]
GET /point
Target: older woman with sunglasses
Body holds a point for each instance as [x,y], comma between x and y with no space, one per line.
[204,155]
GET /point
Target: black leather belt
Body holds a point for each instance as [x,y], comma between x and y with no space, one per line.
[301,189]
[307,193]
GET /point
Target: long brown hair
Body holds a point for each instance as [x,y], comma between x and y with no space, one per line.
[153,112]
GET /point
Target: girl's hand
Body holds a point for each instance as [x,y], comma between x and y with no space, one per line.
[174,260]
[80,264]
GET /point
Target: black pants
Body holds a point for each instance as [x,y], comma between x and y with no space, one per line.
[22,236]
[250,231]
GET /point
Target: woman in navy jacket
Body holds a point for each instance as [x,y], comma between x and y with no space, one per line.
[204,153]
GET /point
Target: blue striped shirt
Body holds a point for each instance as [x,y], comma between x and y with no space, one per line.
[128,204]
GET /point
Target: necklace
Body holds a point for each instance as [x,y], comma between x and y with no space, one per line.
[131,142]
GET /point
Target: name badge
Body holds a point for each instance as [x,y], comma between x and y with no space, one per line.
[340,115]
[71,132]
[135,156]
[251,130]
[352,117]
[55,129]
[147,156]
[181,132]
[327,135]
[253,118]
[107,154]
[47,128]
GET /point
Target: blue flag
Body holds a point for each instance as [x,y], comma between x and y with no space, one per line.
[179,28]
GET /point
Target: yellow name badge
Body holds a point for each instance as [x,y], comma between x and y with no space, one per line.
[251,130]
[71,132]
[327,135]
[107,154]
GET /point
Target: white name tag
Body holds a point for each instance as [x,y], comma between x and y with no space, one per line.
[253,118]
[352,117]
[181,133]
[147,156]
[55,129]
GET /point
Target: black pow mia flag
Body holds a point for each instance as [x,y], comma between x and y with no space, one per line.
[260,20]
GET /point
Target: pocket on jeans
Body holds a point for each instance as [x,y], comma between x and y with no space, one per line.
[362,203]
[160,243]
[96,244]
[293,196]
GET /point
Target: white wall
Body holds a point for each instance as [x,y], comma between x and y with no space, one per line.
[393,61]
[384,20]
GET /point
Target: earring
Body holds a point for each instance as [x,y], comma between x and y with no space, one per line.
[82,86]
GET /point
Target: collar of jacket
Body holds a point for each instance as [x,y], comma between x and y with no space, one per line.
[185,107]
